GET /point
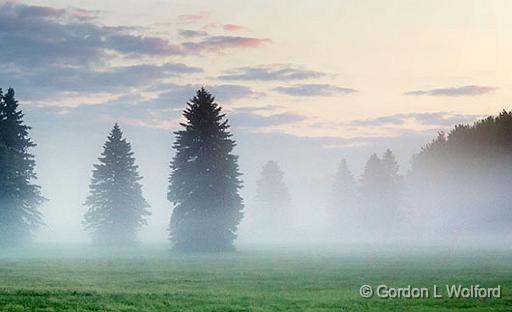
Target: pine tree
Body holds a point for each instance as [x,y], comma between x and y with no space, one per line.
[204,182]
[390,165]
[373,179]
[373,191]
[116,207]
[273,203]
[20,199]
[381,190]
[344,186]
[395,181]
[343,201]
[393,197]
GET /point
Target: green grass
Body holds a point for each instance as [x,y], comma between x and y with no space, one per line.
[321,279]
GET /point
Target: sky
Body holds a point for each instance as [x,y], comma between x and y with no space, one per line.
[306,83]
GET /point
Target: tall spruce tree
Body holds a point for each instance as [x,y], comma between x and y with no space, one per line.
[116,207]
[273,204]
[205,180]
[20,199]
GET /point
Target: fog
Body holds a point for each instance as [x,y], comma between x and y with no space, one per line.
[65,157]
[76,75]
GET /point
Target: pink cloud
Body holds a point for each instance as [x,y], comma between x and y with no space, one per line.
[226,27]
[233,27]
[221,43]
[211,26]
[84,15]
[191,18]
[93,42]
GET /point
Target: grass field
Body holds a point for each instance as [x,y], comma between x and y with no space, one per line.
[308,279]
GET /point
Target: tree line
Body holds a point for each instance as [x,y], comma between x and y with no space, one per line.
[205,181]
[466,175]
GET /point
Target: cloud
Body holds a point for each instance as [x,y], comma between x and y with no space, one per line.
[218,44]
[162,112]
[129,110]
[445,119]
[85,15]
[379,121]
[276,72]
[314,90]
[230,92]
[25,11]
[176,96]
[187,33]
[226,27]
[434,119]
[233,27]
[40,83]
[52,53]
[39,35]
[255,109]
[251,120]
[44,35]
[471,90]
[192,18]
[43,12]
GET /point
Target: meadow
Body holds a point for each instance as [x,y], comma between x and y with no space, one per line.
[304,278]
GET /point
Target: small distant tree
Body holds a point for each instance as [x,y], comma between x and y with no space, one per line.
[116,207]
[395,180]
[394,187]
[373,191]
[272,202]
[391,166]
[205,180]
[343,200]
[344,188]
[381,190]
[20,199]
[373,179]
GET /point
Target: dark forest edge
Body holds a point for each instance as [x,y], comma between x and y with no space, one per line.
[461,177]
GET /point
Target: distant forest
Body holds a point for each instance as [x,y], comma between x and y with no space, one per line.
[466,175]
[459,182]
